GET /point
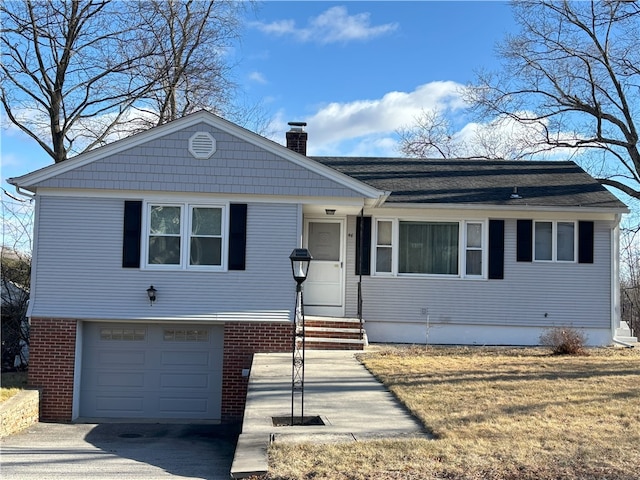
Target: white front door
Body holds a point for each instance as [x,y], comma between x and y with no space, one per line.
[324,288]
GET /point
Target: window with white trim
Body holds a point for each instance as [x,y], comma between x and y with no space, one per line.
[554,241]
[430,248]
[185,236]
[474,243]
[384,246]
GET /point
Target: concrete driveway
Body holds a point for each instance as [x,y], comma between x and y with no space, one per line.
[118,450]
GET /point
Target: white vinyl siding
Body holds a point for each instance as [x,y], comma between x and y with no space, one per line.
[531,293]
[80,275]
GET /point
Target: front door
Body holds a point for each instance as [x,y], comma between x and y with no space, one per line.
[323,290]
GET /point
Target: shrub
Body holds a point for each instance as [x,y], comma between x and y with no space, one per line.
[564,341]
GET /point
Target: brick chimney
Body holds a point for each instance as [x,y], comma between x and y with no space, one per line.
[297,137]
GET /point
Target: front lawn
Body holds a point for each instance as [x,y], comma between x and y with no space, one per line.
[517,414]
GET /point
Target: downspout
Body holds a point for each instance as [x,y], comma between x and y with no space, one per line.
[615,282]
[19,191]
[360,272]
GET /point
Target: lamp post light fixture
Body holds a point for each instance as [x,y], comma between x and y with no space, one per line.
[151,292]
[300,260]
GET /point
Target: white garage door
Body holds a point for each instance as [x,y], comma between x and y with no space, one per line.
[148,371]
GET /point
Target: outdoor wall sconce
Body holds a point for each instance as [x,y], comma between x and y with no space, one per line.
[330,211]
[152,294]
[300,259]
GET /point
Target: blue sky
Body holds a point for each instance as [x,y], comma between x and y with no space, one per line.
[354,71]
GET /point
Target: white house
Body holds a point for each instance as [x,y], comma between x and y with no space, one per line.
[206,212]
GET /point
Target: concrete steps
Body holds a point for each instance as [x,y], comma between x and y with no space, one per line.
[330,333]
[623,334]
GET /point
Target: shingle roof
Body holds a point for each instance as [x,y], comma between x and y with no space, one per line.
[485,182]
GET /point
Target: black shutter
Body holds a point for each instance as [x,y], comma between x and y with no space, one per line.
[363,245]
[237,235]
[496,249]
[585,242]
[131,234]
[525,241]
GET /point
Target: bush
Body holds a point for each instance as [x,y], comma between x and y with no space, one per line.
[564,341]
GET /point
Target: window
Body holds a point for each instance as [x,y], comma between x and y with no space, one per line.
[554,241]
[126,334]
[384,250]
[185,335]
[185,236]
[473,257]
[205,247]
[428,248]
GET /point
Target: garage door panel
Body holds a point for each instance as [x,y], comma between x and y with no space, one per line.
[119,405]
[184,381]
[121,357]
[181,407]
[120,380]
[151,371]
[180,359]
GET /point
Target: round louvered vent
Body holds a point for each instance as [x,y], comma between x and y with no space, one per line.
[202,145]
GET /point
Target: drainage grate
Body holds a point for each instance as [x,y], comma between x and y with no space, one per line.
[307,421]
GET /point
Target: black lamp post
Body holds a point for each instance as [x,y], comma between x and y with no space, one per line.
[300,260]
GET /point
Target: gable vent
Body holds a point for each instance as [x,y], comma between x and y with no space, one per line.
[202,145]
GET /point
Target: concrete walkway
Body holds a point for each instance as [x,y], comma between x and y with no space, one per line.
[352,403]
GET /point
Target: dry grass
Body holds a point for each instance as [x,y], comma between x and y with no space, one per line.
[495,414]
[12,383]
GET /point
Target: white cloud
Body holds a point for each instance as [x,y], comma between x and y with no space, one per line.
[334,25]
[375,121]
[258,77]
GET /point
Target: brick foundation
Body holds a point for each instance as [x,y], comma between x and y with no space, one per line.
[241,341]
[51,366]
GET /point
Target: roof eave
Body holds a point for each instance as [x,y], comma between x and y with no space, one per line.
[522,207]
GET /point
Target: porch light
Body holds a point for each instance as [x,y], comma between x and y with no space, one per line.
[330,211]
[151,292]
[300,260]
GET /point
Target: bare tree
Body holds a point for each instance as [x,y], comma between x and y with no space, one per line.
[573,73]
[569,84]
[78,73]
[189,67]
[68,71]
[431,135]
[15,261]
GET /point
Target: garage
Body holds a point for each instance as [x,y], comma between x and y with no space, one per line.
[151,371]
